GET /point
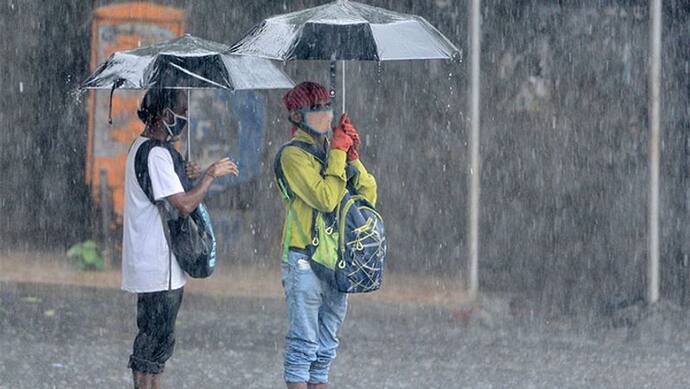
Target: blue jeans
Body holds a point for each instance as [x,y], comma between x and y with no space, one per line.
[315,313]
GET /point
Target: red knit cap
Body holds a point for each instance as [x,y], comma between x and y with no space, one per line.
[305,95]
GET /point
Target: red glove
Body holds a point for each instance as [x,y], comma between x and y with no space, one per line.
[351,131]
[340,140]
[352,154]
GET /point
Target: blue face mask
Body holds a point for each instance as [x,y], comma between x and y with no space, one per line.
[175,128]
[304,123]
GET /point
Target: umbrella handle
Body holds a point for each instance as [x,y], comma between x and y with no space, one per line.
[118,83]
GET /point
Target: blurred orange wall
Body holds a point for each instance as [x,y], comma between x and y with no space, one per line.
[116,28]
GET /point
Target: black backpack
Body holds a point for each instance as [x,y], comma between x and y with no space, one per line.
[190,237]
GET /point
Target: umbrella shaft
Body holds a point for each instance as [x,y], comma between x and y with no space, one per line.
[189,126]
[334,83]
[333,80]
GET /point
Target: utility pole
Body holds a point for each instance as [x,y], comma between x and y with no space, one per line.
[474,171]
[654,142]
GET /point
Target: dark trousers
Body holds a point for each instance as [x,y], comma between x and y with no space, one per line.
[155,342]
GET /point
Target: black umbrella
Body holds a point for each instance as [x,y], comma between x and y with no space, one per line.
[187,63]
[346,30]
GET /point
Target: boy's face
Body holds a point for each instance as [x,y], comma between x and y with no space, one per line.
[319,116]
[175,118]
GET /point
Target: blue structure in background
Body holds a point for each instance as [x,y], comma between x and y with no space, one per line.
[248,109]
[231,125]
[228,124]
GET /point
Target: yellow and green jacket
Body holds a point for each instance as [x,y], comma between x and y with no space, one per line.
[313,191]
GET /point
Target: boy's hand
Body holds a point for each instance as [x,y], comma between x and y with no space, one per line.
[340,141]
[222,168]
[193,170]
[351,131]
[352,154]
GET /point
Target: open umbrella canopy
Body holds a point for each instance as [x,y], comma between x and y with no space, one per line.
[346,30]
[187,62]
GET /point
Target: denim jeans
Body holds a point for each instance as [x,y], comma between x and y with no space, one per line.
[315,312]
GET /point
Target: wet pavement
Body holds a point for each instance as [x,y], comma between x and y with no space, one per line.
[79,337]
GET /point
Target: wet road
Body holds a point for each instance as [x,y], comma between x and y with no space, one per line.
[74,337]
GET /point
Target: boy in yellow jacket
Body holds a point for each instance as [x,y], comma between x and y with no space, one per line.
[315,308]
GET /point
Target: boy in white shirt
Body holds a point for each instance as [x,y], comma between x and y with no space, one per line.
[149,268]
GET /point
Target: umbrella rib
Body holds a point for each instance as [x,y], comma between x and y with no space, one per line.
[180,68]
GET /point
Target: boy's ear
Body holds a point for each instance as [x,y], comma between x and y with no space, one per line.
[296,116]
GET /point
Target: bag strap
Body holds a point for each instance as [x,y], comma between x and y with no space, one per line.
[141,166]
[166,230]
[282,181]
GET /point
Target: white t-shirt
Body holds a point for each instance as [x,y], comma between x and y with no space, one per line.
[147,263]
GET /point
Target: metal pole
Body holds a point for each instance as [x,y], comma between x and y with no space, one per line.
[654,140]
[474,173]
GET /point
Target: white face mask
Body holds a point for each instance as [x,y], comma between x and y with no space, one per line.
[175,128]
